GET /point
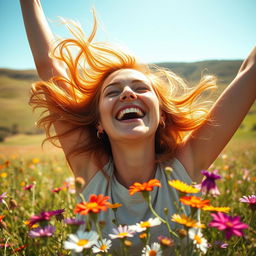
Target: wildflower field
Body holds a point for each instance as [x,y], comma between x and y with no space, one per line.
[38,210]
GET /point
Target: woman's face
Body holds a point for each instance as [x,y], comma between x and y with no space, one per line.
[128,106]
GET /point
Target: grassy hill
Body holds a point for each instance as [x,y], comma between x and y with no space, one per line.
[16,114]
[225,70]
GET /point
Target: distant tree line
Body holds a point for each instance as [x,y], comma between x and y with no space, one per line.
[14,129]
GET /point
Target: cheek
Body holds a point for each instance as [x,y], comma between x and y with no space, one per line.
[105,109]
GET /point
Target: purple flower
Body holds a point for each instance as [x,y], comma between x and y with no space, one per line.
[231,225]
[208,185]
[74,221]
[45,216]
[42,232]
[2,197]
[220,244]
[251,200]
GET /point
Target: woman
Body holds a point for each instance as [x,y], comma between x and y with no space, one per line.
[119,122]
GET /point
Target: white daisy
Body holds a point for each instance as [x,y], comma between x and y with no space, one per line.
[143,225]
[81,240]
[121,232]
[102,246]
[154,249]
[198,240]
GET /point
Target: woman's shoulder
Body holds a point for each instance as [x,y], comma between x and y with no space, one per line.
[99,182]
[178,171]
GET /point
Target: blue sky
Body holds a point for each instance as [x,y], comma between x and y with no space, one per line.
[154,30]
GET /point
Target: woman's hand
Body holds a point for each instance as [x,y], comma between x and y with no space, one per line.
[40,39]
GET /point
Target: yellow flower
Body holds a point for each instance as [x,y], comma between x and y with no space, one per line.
[23,183]
[183,187]
[3,174]
[187,221]
[216,209]
[35,160]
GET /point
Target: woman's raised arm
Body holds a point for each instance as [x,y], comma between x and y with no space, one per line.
[206,143]
[40,39]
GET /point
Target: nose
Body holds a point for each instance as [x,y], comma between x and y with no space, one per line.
[128,94]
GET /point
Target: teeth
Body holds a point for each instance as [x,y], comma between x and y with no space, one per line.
[129,110]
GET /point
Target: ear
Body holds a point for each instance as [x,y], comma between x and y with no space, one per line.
[162,115]
[99,127]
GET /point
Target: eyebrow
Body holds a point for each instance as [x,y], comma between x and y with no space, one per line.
[119,83]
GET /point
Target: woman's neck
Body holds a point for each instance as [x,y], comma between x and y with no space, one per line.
[134,162]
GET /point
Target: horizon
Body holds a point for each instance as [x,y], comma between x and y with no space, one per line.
[157,63]
[179,32]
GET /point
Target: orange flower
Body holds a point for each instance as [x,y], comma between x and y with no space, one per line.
[146,186]
[187,221]
[113,206]
[57,190]
[1,217]
[194,201]
[20,248]
[95,204]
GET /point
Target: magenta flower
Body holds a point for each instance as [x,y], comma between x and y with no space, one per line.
[208,185]
[28,187]
[3,196]
[231,225]
[74,221]
[45,216]
[42,232]
[251,200]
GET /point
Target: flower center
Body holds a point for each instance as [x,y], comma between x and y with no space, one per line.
[145,224]
[92,205]
[122,234]
[198,239]
[103,247]
[82,242]
[229,224]
[152,253]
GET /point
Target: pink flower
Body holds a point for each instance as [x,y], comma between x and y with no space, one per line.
[2,197]
[74,221]
[251,200]
[208,185]
[231,225]
[42,232]
[28,187]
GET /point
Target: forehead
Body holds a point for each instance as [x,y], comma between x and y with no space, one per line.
[124,75]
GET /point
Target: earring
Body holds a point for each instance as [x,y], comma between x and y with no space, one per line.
[99,134]
[162,123]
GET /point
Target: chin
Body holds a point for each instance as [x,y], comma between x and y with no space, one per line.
[137,133]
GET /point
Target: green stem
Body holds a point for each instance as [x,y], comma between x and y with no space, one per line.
[124,249]
[98,230]
[252,219]
[33,199]
[163,220]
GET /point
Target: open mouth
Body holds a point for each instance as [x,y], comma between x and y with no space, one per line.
[130,113]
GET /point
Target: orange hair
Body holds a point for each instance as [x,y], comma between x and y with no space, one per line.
[74,98]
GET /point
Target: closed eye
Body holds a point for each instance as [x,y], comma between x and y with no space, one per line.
[112,93]
[142,89]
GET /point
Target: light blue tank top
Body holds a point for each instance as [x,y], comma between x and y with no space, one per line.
[134,208]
